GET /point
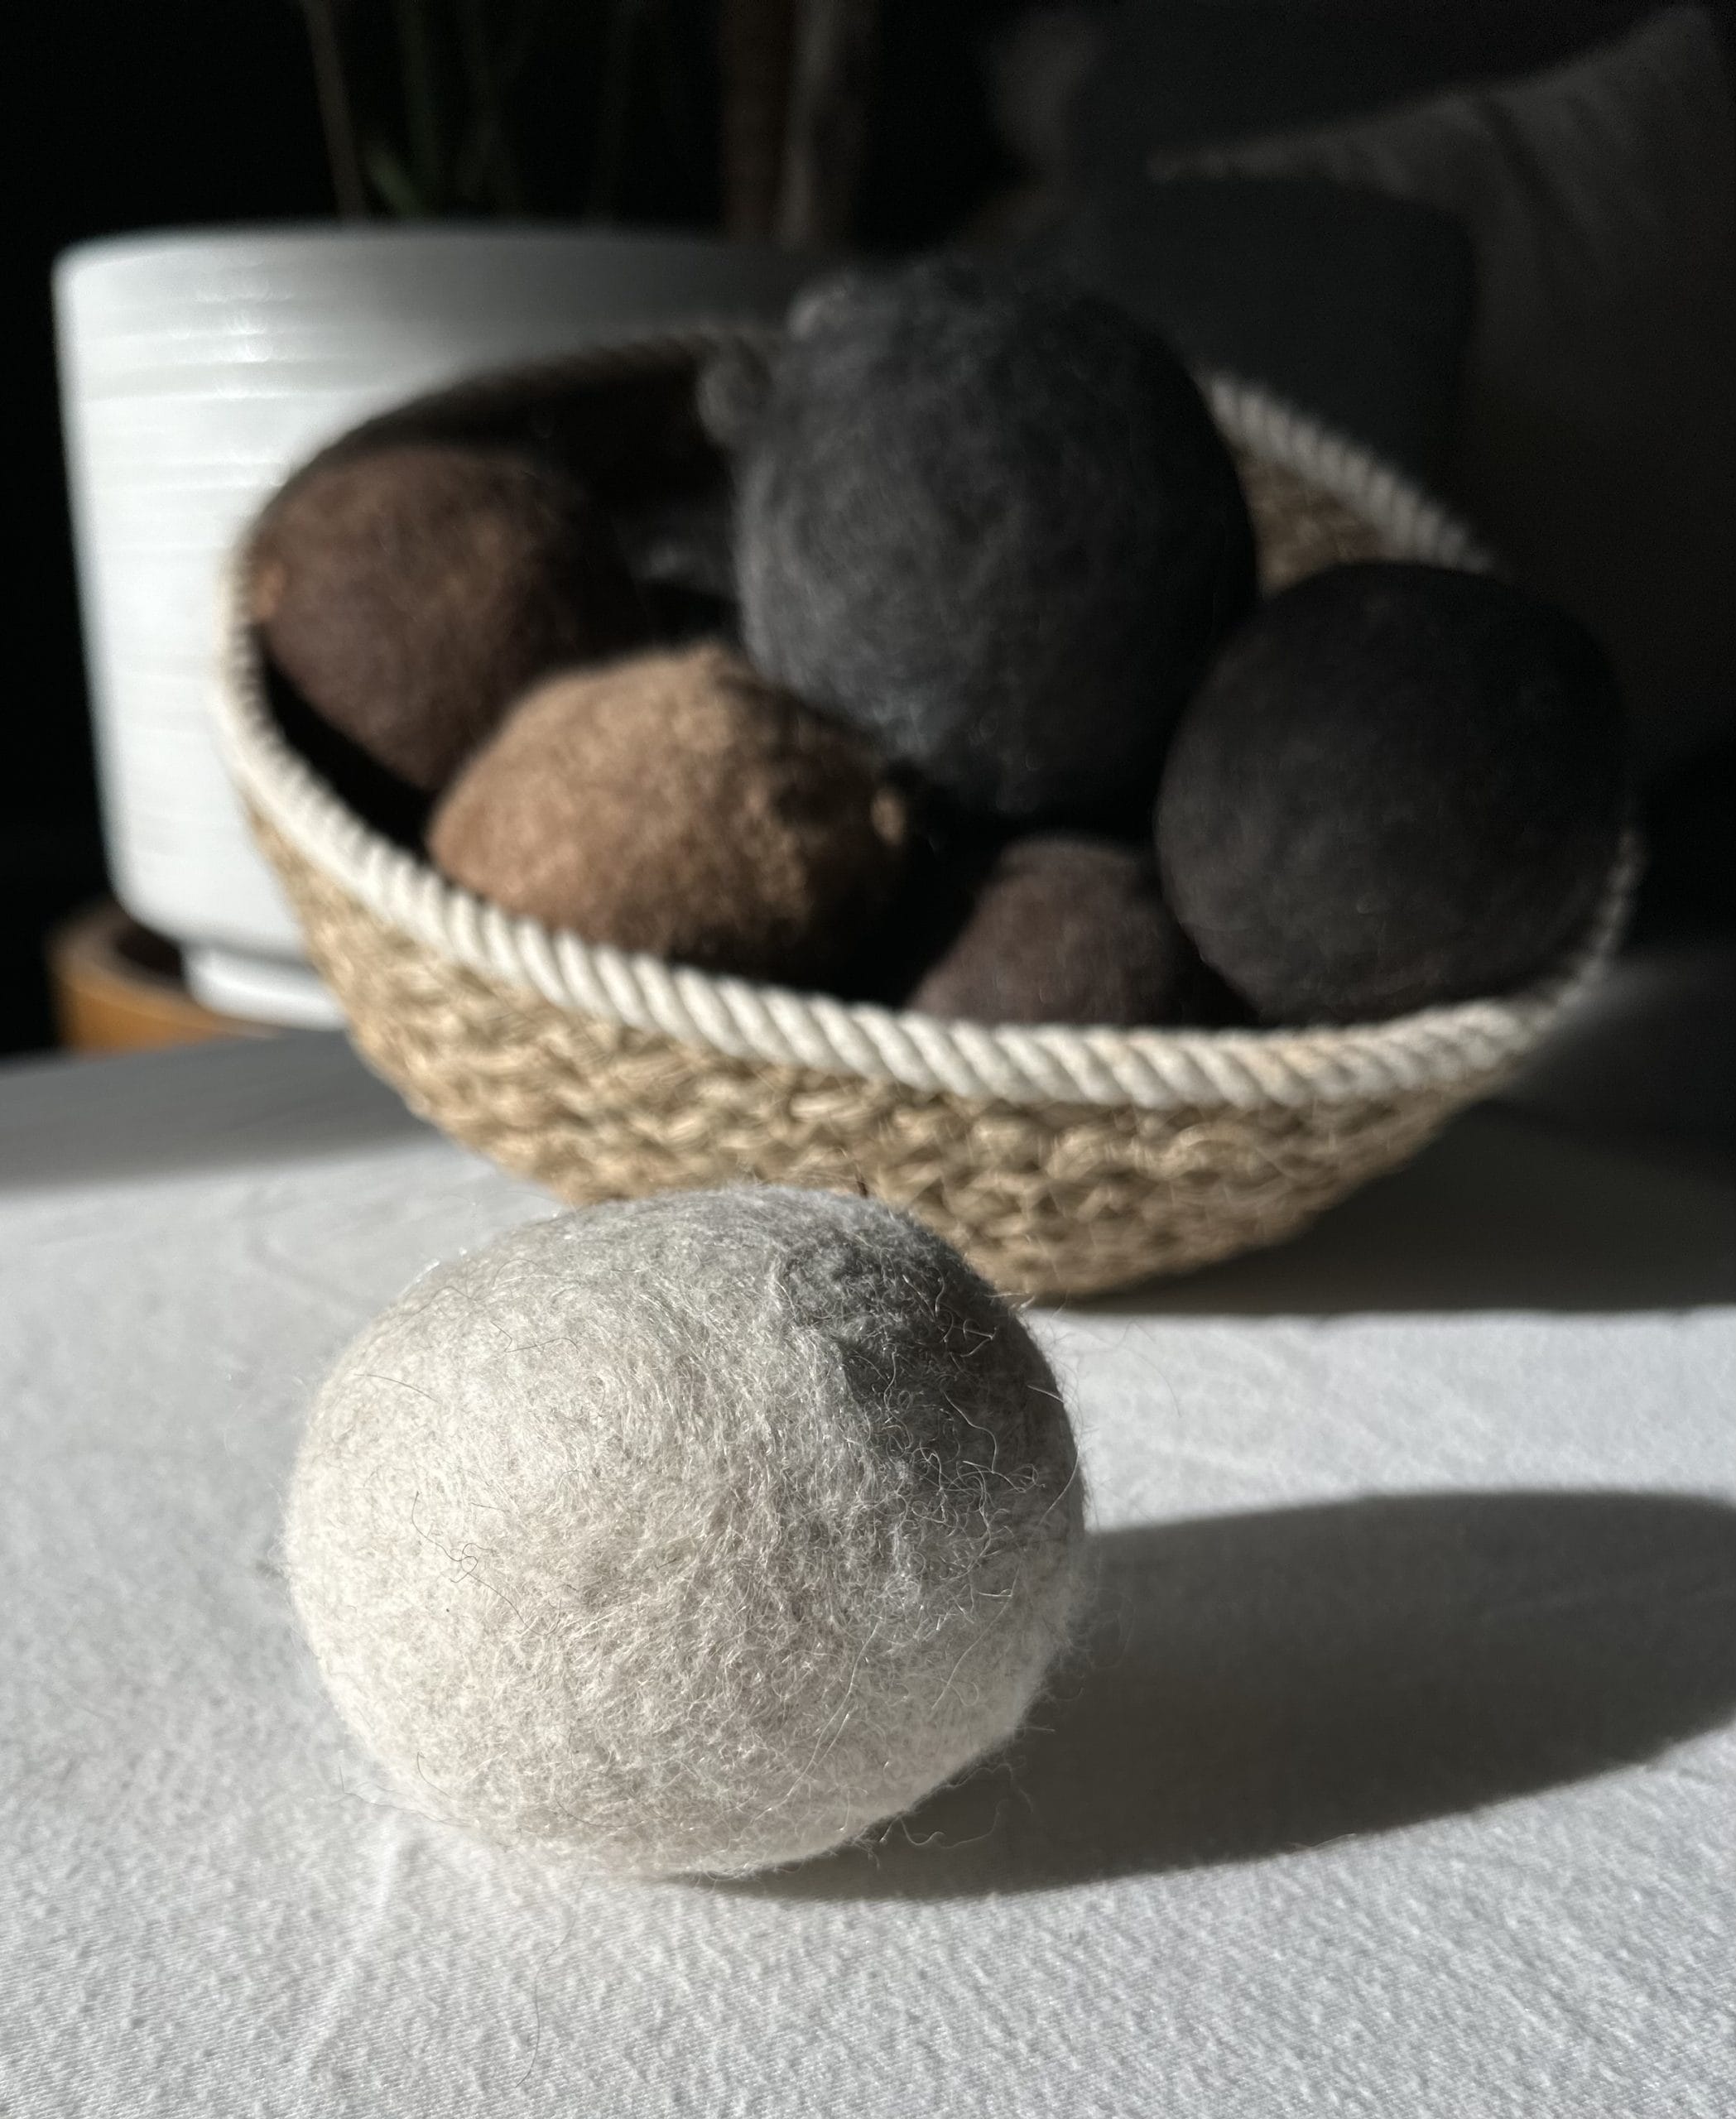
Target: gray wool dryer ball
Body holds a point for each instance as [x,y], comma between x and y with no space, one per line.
[695,1535]
[1400,786]
[990,522]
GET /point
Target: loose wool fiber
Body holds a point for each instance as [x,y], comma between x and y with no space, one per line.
[694,1534]
[990,522]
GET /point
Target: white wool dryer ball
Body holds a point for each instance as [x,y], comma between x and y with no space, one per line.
[694,1535]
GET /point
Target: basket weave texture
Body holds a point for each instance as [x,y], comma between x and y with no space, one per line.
[1061,1161]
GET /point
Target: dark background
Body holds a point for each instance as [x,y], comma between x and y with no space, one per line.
[187,112]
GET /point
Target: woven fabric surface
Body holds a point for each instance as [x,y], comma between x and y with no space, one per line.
[1399,1780]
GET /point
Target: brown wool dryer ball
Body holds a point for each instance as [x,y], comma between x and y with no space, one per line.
[411,592]
[679,804]
[1066,928]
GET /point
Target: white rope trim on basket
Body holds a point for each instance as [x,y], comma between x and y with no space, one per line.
[1415,523]
[1150,1069]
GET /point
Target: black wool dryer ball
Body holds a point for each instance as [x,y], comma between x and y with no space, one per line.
[1400,785]
[990,522]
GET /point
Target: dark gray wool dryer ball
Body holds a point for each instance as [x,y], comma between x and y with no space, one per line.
[1400,785]
[990,522]
[1065,930]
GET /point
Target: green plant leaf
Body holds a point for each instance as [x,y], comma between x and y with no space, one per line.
[396,187]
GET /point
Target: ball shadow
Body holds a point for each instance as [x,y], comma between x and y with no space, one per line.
[1254,1684]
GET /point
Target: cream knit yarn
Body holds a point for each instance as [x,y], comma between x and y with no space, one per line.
[696,1534]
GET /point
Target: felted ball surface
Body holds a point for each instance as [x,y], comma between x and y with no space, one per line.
[991,523]
[694,1535]
[411,592]
[678,553]
[1400,785]
[1065,930]
[730,393]
[678,803]
[684,541]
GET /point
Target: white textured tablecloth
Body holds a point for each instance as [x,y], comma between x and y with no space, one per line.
[1399,1780]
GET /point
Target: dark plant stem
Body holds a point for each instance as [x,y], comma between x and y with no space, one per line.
[422,103]
[755,39]
[615,105]
[830,95]
[337,119]
[487,158]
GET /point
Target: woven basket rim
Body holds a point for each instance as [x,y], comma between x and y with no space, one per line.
[1040,1065]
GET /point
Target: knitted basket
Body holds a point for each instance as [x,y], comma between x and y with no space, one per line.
[1060,1160]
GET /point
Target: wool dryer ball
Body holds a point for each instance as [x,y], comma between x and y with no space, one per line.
[678,803]
[1065,930]
[1400,785]
[694,1534]
[991,523]
[410,593]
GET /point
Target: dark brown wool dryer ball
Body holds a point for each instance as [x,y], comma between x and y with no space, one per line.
[1065,930]
[990,522]
[1400,785]
[678,803]
[411,593]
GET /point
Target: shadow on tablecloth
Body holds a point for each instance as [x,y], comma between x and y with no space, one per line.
[248,1105]
[1257,1684]
[1503,1212]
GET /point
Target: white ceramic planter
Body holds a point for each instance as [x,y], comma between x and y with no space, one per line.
[196,370]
